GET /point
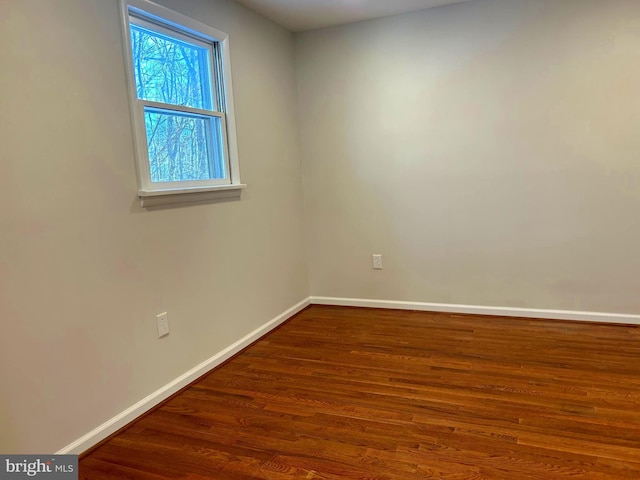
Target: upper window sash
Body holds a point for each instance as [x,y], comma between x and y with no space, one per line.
[209,88]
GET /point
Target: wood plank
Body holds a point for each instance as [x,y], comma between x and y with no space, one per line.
[339,392]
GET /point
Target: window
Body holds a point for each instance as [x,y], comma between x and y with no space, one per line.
[180,86]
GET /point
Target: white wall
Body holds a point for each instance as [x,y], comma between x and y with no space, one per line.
[83,268]
[489,150]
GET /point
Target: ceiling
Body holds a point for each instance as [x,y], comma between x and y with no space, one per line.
[299,15]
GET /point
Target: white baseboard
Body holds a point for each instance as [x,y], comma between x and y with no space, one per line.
[114,424]
[482,310]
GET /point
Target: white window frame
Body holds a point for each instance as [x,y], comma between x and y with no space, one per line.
[164,20]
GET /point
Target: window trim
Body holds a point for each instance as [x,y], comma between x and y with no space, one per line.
[197,190]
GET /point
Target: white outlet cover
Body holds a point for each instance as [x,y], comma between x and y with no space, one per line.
[162,321]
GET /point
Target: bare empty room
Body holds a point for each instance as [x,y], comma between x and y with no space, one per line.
[270,239]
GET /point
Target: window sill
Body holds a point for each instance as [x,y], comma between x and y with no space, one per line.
[172,196]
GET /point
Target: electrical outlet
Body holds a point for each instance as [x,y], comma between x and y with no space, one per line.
[377,262]
[163,324]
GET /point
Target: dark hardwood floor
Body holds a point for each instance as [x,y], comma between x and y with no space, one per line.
[353,393]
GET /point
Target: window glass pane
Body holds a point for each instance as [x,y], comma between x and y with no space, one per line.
[169,70]
[184,147]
